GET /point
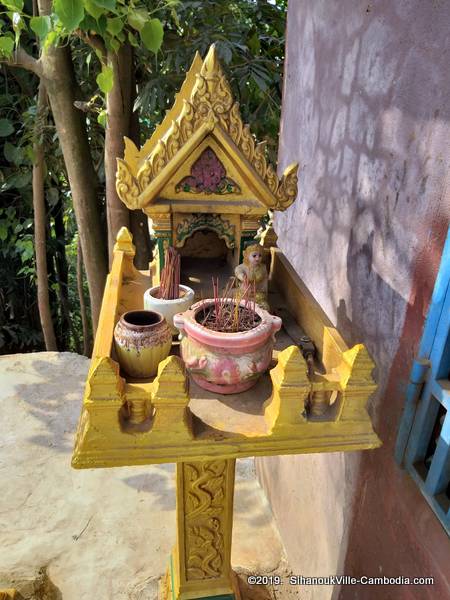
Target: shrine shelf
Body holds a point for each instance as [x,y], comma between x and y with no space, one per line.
[169,419]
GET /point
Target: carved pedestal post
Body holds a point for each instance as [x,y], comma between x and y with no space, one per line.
[201,562]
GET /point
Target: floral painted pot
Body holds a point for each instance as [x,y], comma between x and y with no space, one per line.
[169,308]
[227,363]
[143,339]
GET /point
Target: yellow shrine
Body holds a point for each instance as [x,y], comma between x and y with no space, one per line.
[202,170]
[297,407]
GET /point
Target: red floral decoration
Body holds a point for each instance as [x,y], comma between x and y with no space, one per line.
[208,176]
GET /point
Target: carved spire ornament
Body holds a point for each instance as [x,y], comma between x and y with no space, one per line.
[204,108]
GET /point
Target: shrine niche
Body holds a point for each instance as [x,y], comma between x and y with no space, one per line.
[202,171]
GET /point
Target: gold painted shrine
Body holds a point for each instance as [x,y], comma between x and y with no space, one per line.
[201,170]
[169,419]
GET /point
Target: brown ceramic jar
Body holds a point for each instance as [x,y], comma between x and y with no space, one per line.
[143,339]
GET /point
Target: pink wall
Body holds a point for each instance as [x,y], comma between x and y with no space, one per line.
[366,112]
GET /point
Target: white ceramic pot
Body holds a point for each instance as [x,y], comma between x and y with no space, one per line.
[169,308]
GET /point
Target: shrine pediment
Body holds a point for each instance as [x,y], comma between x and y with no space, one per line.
[203,153]
[209,176]
[206,174]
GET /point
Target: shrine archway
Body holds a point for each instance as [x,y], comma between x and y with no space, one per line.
[204,244]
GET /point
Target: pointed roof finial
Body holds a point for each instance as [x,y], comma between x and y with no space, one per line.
[211,62]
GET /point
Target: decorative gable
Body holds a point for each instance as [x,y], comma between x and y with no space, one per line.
[204,115]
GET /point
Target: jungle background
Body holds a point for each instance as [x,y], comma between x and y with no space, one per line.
[75,77]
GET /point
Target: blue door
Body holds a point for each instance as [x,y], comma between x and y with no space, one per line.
[423,443]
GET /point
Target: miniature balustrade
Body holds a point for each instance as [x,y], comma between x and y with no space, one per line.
[125,422]
[163,405]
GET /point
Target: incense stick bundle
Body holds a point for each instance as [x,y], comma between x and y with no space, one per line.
[169,288]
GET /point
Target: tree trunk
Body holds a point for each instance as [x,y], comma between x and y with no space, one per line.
[83,312]
[138,220]
[40,229]
[52,278]
[71,129]
[141,239]
[118,107]
[58,74]
[62,272]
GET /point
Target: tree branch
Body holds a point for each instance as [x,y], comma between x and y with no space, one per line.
[21,58]
[94,41]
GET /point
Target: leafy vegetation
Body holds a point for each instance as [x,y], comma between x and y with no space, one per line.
[162,38]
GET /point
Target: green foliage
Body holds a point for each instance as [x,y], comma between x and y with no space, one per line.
[105,19]
[106,22]
[6,127]
[69,12]
[114,26]
[6,46]
[19,319]
[152,35]
[106,4]
[138,18]
[92,9]
[14,5]
[41,26]
[249,36]
[105,79]
[101,119]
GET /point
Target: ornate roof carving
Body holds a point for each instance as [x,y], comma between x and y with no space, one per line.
[205,105]
[208,175]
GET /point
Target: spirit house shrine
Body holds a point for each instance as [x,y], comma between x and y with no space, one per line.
[201,171]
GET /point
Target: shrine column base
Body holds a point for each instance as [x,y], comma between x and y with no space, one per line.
[200,565]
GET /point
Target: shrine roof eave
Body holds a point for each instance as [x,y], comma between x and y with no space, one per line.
[231,207]
[264,198]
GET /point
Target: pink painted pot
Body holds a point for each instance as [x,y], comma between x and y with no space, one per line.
[226,363]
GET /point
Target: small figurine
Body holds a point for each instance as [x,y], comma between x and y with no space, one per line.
[253,271]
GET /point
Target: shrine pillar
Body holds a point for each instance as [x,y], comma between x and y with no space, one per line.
[201,562]
[249,228]
[161,226]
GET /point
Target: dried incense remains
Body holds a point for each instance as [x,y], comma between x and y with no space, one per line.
[227,314]
[169,288]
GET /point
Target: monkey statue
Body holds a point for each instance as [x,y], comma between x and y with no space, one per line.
[253,271]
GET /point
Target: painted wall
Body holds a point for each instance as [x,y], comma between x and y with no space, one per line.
[366,112]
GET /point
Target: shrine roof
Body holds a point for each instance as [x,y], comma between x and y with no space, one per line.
[203,118]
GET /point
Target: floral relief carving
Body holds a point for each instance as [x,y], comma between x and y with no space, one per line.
[126,185]
[204,489]
[208,176]
[224,229]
